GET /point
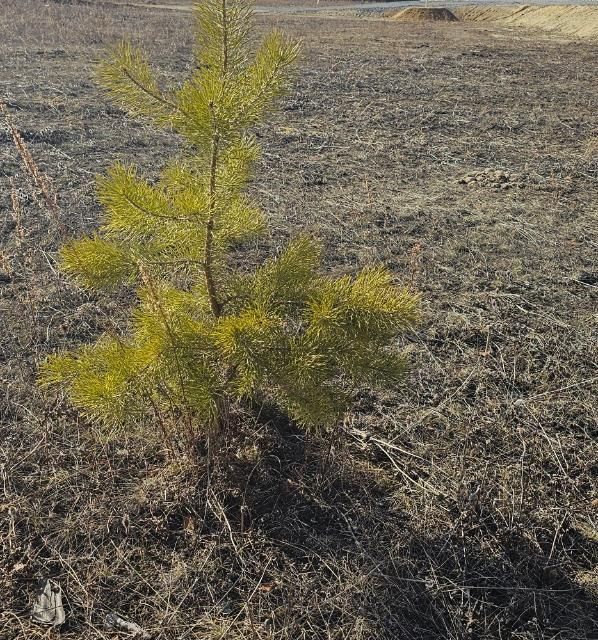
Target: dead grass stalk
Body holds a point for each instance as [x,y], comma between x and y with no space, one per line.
[43,188]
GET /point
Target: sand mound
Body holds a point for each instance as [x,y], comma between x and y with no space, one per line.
[567,20]
[424,14]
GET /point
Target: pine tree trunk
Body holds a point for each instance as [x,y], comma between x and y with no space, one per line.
[214,303]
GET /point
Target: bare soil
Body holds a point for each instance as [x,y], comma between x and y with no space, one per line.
[563,20]
[424,14]
[462,504]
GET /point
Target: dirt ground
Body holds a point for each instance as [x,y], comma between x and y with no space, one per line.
[561,20]
[461,505]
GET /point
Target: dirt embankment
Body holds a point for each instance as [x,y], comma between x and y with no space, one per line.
[567,20]
[424,14]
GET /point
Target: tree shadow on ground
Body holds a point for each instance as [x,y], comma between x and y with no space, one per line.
[278,539]
[367,567]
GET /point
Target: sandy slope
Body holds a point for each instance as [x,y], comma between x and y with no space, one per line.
[576,21]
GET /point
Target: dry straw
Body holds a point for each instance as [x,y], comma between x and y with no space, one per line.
[44,192]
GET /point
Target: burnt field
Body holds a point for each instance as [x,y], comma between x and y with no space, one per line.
[463,504]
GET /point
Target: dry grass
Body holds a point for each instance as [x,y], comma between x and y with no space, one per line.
[460,505]
[41,185]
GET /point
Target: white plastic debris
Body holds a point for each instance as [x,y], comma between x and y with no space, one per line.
[47,608]
[115,622]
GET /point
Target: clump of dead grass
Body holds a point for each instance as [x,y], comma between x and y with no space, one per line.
[41,184]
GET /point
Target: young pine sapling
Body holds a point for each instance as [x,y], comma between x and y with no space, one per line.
[203,336]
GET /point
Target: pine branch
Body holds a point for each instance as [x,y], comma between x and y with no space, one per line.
[153,214]
[224,39]
[173,340]
[152,94]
